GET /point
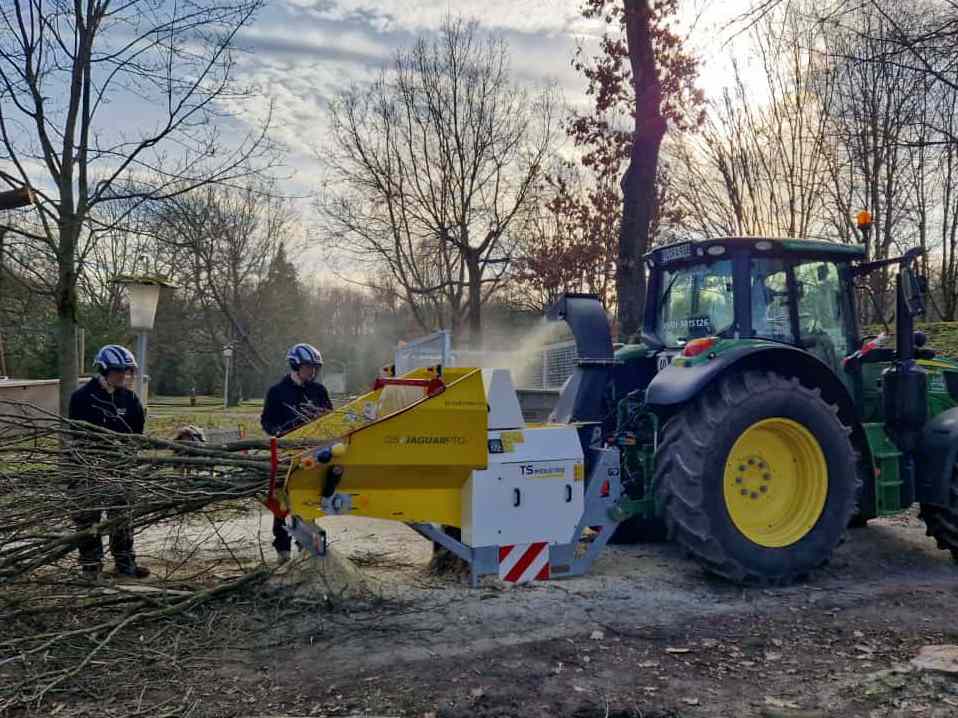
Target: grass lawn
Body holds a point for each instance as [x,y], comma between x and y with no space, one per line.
[167,413]
[942,336]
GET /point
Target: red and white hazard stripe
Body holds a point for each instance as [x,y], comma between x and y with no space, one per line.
[522,563]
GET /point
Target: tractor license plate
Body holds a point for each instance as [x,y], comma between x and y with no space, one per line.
[674,252]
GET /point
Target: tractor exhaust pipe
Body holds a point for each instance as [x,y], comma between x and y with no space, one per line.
[582,397]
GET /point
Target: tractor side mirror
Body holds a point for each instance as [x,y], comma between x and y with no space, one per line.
[912,287]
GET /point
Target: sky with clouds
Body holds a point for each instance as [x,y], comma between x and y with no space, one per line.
[300,52]
[297,54]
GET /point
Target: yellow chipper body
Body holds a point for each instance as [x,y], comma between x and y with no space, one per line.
[403,455]
[447,452]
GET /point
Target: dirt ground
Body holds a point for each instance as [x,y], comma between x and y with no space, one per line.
[646,634]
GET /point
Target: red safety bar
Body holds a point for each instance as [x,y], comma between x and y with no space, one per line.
[272,503]
[432,386]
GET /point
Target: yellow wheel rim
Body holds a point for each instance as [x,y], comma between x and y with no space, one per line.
[776,482]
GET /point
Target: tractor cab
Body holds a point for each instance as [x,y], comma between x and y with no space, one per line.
[753,426]
[794,292]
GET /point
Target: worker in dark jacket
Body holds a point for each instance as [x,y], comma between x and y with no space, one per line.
[104,401]
[295,400]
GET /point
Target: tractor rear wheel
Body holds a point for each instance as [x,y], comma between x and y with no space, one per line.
[757,478]
[941,523]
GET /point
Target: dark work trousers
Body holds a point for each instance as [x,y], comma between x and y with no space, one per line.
[121,535]
[282,541]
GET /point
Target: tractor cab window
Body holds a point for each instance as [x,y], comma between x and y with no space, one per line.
[820,304]
[769,298]
[821,312]
[695,301]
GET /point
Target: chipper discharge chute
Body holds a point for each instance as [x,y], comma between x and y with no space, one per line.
[446,451]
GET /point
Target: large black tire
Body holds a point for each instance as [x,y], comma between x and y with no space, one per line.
[941,522]
[690,473]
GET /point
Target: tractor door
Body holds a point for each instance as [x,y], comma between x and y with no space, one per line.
[825,328]
[805,303]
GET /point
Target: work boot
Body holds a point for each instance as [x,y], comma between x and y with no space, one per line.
[131,570]
[282,557]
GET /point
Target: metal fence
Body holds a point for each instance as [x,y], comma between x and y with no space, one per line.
[436,348]
[559,360]
[547,368]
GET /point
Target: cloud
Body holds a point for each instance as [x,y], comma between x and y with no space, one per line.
[528,16]
[300,53]
[278,43]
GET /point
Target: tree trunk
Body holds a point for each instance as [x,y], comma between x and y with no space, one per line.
[638,184]
[474,270]
[66,302]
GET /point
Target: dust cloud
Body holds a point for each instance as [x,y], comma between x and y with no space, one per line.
[518,349]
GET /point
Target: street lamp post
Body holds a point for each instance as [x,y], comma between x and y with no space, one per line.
[227,360]
[144,294]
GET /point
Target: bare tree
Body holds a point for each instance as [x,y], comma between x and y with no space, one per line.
[222,241]
[761,168]
[944,191]
[65,69]
[638,183]
[874,118]
[431,165]
[570,239]
[121,242]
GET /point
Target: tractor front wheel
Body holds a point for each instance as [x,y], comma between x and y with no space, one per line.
[941,522]
[757,478]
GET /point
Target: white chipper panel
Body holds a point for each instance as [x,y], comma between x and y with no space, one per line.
[531,492]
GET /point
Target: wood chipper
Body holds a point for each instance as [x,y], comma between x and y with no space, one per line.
[446,451]
[751,424]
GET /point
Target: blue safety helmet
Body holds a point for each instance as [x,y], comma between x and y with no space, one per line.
[304,354]
[113,357]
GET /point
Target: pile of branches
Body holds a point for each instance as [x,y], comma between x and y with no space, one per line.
[59,627]
[53,468]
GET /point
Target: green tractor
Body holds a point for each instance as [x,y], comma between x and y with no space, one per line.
[755,423]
